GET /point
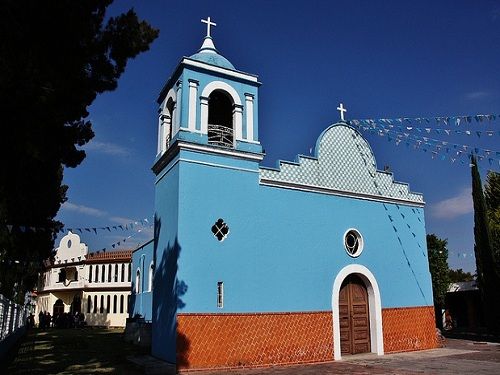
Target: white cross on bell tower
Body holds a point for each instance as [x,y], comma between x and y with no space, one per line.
[209,23]
[341,109]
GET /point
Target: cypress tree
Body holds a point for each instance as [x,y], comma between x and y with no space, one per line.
[487,277]
[492,198]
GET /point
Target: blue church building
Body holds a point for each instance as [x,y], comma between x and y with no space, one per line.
[313,260]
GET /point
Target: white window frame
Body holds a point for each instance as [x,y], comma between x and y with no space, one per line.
[138,281]
[220,294]
[151,274]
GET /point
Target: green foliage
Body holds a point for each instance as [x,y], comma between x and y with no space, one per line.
[55,58]
[460,275]
[492,199]
[438,266]
[487,276]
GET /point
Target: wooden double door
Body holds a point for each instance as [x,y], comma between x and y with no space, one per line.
[354,316]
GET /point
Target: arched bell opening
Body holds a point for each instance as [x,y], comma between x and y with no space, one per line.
[169,109]
[166,123]
[220,119]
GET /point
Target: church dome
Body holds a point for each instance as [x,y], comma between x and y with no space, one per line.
[209,54]
[212,59]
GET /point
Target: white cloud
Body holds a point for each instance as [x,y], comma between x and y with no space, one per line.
[107,148]
[476,95]
[83,209]
[121,220]
[450,208]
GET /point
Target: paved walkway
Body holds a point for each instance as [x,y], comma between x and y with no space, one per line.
[458,357]
[91,351]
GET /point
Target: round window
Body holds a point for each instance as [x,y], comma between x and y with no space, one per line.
[69,243]
[353,242]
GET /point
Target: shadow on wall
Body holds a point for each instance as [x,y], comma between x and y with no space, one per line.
[167,295]
[99,320]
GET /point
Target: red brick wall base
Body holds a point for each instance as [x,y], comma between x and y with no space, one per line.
[259,339]
[409,328]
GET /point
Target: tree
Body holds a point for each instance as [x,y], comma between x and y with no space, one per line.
[55,58]
[492,200]
[440,272]
[459,275]
[487,276]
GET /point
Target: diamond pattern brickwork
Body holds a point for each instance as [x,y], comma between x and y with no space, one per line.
[236,340]
[260,339]
[344,162]
[409,328]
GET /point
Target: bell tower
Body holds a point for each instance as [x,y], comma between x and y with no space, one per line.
[208,142]
[207,102]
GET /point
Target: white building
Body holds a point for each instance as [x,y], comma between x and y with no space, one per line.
[95,284]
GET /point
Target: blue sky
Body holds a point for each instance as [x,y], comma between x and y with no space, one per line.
[385,59]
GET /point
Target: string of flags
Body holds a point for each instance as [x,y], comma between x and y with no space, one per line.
[35,229]
[399,131]
[459,255]
[118,243]
[446,120]
[439,144]
[136,227]
[440,131]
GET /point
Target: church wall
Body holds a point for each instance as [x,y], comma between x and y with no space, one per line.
[269,292]
[142,303]
[166,257]
[260,339]
[306,231]
[283,252]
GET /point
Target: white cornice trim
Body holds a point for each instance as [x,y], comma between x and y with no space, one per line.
[218,69]
[219,165]
[212,150]
[323,190]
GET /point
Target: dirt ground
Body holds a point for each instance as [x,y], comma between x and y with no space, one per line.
[74,351]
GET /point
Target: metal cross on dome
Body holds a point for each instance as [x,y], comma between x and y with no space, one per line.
[341,109]
[209,23]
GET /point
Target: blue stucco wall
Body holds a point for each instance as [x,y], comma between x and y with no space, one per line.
[141,303]
[166,252]
[285,246]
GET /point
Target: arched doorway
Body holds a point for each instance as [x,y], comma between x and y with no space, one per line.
[354,316]
[362,278]
[58,308]
[76,305]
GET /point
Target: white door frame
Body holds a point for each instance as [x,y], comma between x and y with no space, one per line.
[374,306]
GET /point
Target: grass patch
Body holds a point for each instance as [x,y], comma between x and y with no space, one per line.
[75,351]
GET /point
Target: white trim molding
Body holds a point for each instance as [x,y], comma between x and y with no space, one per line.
[193,90]
[249,115]
[229,72]
[374,307]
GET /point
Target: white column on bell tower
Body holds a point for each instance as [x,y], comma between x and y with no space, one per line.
[160,132]
[166,123]
[238,121]
[249,115]
[204,114]
[177,123]
[193,91]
